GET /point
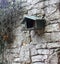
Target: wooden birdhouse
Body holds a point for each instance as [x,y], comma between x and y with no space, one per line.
[33,23]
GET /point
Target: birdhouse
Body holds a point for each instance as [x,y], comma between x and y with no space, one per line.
[33,23]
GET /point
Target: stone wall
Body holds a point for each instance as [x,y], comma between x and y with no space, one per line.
[41,49]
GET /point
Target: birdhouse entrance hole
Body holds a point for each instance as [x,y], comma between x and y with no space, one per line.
[30,23]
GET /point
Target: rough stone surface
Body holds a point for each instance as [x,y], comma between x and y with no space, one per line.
[52,59]
[39,49]
[42,45]
[34,51]
[55,36]
[38,63]
[45,51]
[53,45]
[52,27]
[39,58]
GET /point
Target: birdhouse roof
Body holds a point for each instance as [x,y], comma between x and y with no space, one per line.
[32,17]
[29,18]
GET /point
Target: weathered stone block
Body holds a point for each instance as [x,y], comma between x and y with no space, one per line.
[35,1]
[29,7]
[16,50]
[17,60]
[53,45]
[53,1]
[43,51]
[33,11]
[16,63]
[38,63]
[42,45]
[52,27]
[51,51]
[46,3]
[30,12]
[55,36]
[39,5]
[24,53]
[50,2]
[16,55]
[54,14]
[24,4]
[47,36]
[33,51]
[53,59]
[39,58]
[29,1]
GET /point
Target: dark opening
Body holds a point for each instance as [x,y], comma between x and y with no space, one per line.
[30,23]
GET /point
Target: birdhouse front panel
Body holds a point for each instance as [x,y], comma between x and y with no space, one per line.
[40,24]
